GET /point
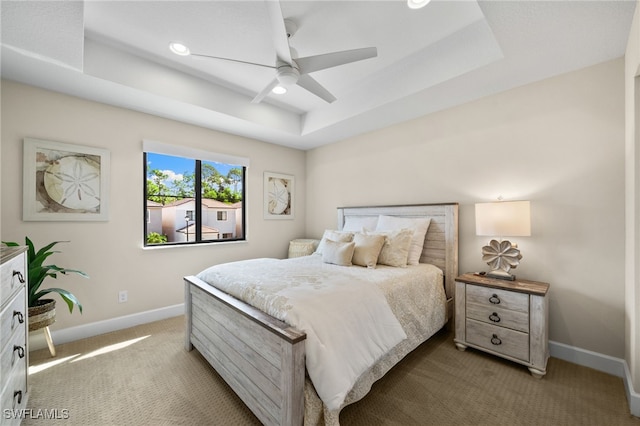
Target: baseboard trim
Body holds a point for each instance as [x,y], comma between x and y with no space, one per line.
[632,396]
[605,363]
[37,340]
[597,361]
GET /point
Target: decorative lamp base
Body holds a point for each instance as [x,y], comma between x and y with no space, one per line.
[501,256]
[501,275]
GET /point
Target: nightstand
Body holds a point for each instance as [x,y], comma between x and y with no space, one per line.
[504,318]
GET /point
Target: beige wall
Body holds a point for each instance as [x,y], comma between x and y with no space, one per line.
[111,252]
[632,197]
[558,143]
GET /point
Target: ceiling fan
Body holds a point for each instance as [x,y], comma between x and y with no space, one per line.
[291,71]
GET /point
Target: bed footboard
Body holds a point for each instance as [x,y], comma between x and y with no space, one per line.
[261,358]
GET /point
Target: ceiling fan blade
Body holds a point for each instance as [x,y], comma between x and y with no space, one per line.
[308,83]
[329,60]
[260,96]
[278,31]
[232,60]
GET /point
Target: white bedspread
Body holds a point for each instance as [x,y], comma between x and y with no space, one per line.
[343,311]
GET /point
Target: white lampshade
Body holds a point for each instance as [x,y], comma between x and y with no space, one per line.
[503,219]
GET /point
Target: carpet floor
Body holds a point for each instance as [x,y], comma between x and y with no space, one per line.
[143,376]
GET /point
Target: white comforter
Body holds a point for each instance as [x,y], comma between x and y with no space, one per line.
[348,322]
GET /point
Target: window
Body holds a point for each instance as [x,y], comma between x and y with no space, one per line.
[185,190]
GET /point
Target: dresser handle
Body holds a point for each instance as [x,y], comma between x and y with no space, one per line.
[494,299]
[20,276]
[495,340]
[20,350]
[18,393]
[494,317]
[19,315]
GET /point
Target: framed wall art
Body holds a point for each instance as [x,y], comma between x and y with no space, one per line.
[278,196]
[65,182]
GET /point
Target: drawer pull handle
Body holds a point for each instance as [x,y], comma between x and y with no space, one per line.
[494,317]
[494,299]
[18,393]
[20,276]
[495,340]
[20,350]
[19,315]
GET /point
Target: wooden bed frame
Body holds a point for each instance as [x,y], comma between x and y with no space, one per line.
[262,358]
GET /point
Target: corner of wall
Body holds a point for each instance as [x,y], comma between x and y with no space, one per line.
[632,396]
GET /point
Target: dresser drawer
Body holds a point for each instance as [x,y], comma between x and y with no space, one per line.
[496,315]
[13,317]
[14,394]
[12,272]
[13,354]
[498,339]
[495,297]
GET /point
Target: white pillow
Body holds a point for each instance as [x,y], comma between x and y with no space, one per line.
[360,223]
[419,226]
[338,253]
[395,250]
[335,236]
[367,249]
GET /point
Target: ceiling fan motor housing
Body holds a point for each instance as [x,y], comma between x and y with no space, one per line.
[288,75]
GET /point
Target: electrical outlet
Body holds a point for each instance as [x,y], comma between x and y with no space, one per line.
[122,296]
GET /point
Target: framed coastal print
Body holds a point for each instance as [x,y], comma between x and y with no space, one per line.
[64,182]
[278,196]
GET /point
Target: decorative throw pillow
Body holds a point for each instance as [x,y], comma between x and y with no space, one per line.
[335,236]
[419,226]
[367,249]
[360,223]
[395,250]
[338,253]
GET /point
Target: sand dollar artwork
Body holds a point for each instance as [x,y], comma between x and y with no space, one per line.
[74,182]
[278,196]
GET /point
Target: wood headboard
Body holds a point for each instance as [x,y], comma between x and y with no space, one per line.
[441,243]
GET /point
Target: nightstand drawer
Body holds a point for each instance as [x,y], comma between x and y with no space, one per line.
[501,340]
[500,298]
[495,315]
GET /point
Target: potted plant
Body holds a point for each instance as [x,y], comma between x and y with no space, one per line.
[42,310]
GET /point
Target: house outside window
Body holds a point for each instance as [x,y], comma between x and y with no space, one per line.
[189,196]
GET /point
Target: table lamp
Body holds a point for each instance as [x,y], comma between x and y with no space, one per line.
[502,219]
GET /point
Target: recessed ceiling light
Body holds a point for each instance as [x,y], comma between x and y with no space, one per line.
[179,49]
[417,4]
[279,90]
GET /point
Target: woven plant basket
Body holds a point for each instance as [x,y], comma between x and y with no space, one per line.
[42,315]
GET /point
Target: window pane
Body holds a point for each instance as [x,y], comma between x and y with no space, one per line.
[170,199]
[222,201]
[173,195]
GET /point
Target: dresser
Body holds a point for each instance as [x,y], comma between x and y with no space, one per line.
[504,318]
[14,353]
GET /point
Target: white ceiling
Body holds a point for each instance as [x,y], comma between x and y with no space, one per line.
[445,54]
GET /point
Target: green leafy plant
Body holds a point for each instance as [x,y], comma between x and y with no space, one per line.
[38,272]
[155,238]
